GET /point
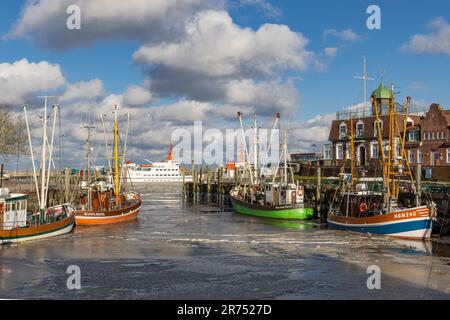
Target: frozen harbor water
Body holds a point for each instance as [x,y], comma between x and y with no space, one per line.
[179,251]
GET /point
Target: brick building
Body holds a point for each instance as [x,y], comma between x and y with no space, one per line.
[427,136]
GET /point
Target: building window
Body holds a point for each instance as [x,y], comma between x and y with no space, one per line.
[419,156]
[448,155]
[343,130]
[386,148]
[359,129]
[434,158]
[339,152]
[411,156]
[374,150]
[413,135]
[347,151]
[375,128]
[328,152]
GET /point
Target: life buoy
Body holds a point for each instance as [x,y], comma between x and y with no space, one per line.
[102,198]
[300,191]
[363,207]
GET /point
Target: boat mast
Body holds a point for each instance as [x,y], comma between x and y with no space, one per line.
[392,147]
[255,148]
[352,155]
[381,149]
[245,146]
[50,158]
[44,156]
[269,146]
[32,156]
[88,157]
[108,155]
[285,157]
[116,156]
[403,141]
[124,170]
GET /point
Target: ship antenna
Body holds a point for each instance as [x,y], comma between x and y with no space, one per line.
[364,77]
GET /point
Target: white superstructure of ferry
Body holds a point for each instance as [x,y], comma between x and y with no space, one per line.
[168,171]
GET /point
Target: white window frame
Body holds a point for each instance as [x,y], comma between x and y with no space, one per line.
[339,145]
[419,156]
[411,154]
[374,146]
[328,151]
[341,136]
[375,128]
[360,123]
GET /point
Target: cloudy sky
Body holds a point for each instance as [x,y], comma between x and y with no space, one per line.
[171,62]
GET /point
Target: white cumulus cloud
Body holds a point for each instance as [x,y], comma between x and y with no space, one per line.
[44,21]
[436,42]
[23,80]
[215,46]
[83,90]
[137,96]
[344,35]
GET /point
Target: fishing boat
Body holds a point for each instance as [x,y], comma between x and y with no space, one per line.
[169,171]
[102,203]
[19,225]
[360,207]
[269,198]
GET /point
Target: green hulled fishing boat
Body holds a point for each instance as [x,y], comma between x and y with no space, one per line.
[275,198]
[294,210]
[260,208]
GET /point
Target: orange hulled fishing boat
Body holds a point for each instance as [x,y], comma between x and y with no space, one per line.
[101,203]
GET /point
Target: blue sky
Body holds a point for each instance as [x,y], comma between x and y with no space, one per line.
[420,73]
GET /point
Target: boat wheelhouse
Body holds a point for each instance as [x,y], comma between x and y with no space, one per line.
[13,210]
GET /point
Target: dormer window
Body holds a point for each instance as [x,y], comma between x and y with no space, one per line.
[409,122]
[343,130]
[359,129]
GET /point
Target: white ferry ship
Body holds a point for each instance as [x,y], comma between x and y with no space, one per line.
[168,171]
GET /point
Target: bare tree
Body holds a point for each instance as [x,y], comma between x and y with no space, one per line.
[13,135]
